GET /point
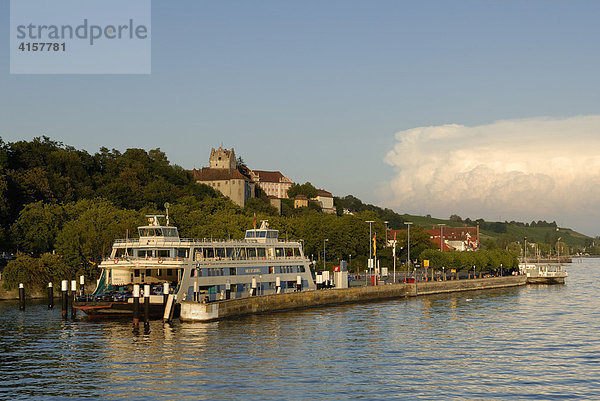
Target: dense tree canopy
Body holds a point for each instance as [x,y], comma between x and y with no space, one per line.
[61,209]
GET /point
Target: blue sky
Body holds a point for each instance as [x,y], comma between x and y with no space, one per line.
[324,91]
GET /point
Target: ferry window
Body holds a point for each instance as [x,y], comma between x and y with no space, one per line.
[262,234]
[221,271]
[249,234]
[159,232]
[261,252]
[163,253]
[302,270]
[271,270]
[270,253]
[220,252]
[141,253]
[148,272]
[182,252]
[209,252]
[272,234]
[289,251]
[278,252]
[197,253]
[296,252]
[232,271]
[169,272]
[251,252]
[229,253]
[136,272]
[241,253]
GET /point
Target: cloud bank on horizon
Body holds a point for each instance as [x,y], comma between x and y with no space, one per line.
[524,170]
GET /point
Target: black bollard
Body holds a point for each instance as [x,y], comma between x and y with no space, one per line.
[147,309]
[73,298]
[65,299]
[253,290]
[50,296]
[299,283]
[21,297]
[278,285]
[195,291]
[82,286]
[136,306]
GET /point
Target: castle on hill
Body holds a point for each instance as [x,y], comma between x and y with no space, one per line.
[239,183]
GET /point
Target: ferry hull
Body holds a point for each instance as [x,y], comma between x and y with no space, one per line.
[545,280]
[107,309]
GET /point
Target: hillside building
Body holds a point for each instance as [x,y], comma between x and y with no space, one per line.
[454,238]
[325,200]
[273,183]
[224,176]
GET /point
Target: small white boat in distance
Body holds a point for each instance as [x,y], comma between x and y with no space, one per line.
[545,273]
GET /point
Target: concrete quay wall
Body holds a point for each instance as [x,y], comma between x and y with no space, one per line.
[193,311]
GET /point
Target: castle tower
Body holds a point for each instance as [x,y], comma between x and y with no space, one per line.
[222,159]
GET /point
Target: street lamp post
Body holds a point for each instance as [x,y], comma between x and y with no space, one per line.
[386,230]
[370,246]
[408,223]
[442,237]
[350,263]
[394,280]
[324,242]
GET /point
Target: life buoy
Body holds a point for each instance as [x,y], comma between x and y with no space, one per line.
[116,261]
[160,261]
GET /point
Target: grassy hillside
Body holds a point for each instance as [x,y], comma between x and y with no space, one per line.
[513,232]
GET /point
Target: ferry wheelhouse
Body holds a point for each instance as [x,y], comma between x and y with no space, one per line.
[251,266]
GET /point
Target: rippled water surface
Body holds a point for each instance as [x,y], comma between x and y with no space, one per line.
[536,342]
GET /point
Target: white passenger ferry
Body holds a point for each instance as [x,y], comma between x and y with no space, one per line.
[543,273]
[260,264]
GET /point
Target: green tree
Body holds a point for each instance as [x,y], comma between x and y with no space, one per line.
[87,238]
[36,229]
[306,189]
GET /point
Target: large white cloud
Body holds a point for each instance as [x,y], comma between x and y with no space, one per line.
[531,169]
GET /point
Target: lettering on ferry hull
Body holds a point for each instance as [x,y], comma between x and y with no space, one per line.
[247,271]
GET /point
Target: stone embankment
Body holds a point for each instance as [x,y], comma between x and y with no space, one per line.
[193,311]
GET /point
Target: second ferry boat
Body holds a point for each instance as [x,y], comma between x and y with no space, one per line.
[259,264]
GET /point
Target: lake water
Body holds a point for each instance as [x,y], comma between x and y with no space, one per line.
[535,342]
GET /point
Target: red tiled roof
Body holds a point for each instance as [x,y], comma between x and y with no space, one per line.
[323,193]
[216,174]
[269,176]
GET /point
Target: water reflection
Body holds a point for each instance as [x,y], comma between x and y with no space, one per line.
[529,342]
